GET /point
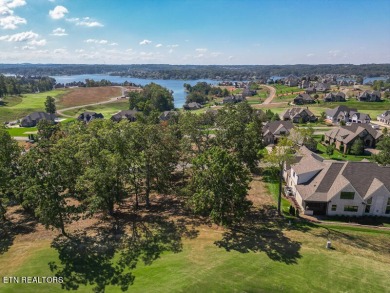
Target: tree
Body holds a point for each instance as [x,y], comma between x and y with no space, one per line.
[9,154]
[219,185]
[383,157]
[278,157]
[46,184]
[357,147]
[330,150]
[50,106]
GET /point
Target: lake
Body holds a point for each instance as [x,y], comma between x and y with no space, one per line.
[176,86]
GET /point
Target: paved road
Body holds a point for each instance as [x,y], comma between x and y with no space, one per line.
[60,112]
[272,94]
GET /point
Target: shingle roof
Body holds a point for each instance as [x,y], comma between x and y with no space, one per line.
[276,125]
[365,177]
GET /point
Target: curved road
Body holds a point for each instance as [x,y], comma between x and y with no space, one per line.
[60,112]
[272,94]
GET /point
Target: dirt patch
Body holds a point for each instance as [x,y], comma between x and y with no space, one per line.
[258,194]
[85,96]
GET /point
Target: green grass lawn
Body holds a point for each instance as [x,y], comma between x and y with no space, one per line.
[268,259]
[106,109]
[284,89]
[22,131]
[339,156]
[19,107]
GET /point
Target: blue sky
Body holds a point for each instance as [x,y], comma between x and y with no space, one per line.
[195,31]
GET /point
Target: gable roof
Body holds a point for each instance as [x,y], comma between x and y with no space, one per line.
[336,111]
[334,176]
[348,133]
[292,112]
[38,116]
[274,126]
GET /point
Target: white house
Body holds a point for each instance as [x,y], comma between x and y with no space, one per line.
[326,187]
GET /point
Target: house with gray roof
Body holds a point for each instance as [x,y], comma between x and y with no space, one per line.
[167,115]
[192,106]
[335,97]
[343,137]
[384,117]
[273,131]
[369,96]
[233,99]
[340,113]
[89,116]
[129,115]
[32,119]
[304,99]
[360,118]
[322,86]
[298,114]
[327,187]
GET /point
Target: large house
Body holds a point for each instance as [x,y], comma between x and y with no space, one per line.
[297,115]
[340,113]
[233,99]
[327,187]
[167,115]
[89,116]
[322,87]
[360,118]
[273,131]
[366,96]
[303,99]
[129,115]
[384,117]
[335,97]
[192,106]
[32,119]
[343,137]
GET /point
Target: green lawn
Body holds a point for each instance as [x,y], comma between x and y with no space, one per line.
[284,89]
[339,156]
[18,107]
[270,258]
[22,131]
[106,109]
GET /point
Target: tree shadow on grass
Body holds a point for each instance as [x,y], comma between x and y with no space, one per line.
[255,236]
[21,223]
[107,255]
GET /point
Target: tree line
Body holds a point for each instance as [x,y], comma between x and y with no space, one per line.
[189,72]
[16,85]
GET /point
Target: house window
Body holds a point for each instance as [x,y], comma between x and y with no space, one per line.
[334,207]
[351,209]
[347,195]
[368,206]
[388,207]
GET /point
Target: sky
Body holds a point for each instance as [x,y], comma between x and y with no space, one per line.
[201,32]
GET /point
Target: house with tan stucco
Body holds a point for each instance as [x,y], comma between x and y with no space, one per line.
[327,187]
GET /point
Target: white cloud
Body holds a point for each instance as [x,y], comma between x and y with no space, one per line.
[11,22]
[173,46]
[86,21]
[59,32]
[114,44]
[102,42]
[58,12]
[60,51]
[201,50]
[38,43]
[310,55]
[158,45]
[145,42]
[15,3]
[27,48]
[334,53]
[7,18]
[90,24]
[80,51]
[20,37]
